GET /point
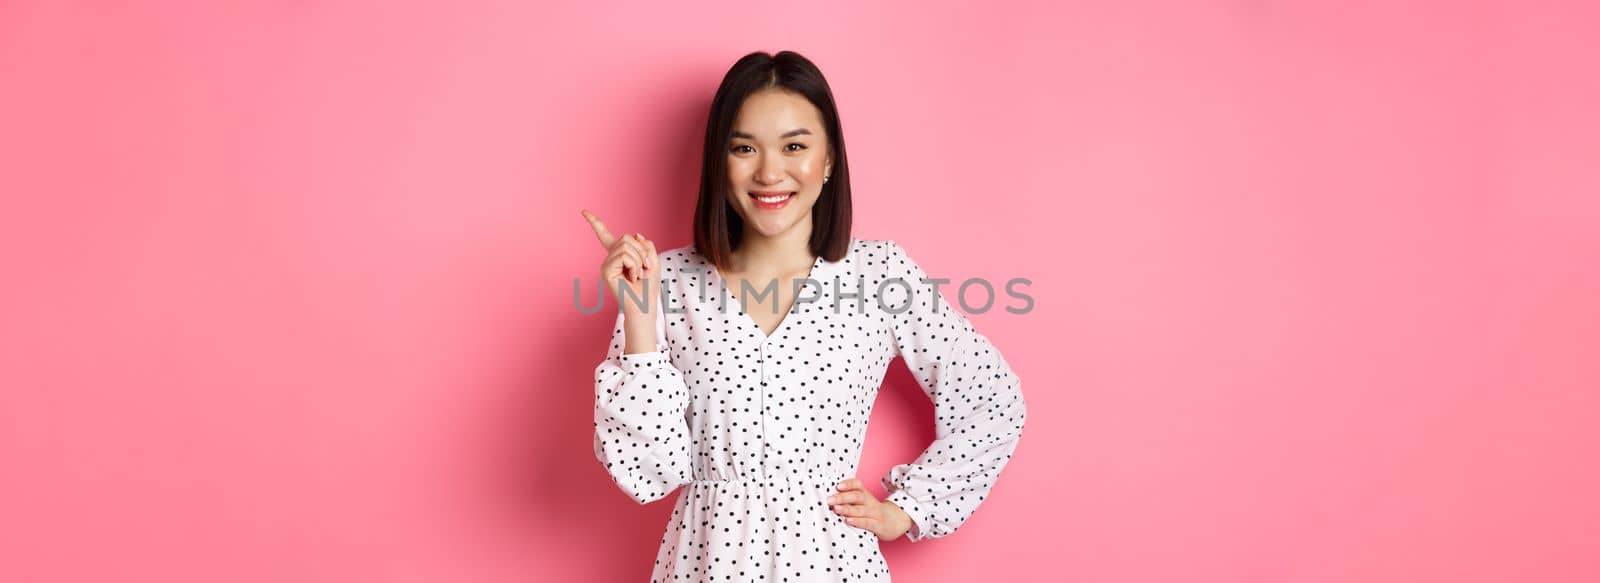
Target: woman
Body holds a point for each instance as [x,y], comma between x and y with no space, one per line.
[758,409]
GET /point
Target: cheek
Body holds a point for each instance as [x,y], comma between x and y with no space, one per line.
[737,171]
[811,168]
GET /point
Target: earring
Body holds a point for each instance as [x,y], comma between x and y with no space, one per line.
[825,178]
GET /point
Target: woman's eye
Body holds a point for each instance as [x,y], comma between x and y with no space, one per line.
[742,148]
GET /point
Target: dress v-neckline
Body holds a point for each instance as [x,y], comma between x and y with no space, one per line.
[727,295]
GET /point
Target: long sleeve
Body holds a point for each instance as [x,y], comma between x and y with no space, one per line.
[978,406]
[640,432]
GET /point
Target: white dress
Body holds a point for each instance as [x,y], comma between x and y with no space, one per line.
[758,429]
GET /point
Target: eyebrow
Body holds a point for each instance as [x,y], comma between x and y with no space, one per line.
[788,134]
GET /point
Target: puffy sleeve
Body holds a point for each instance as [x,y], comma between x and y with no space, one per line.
[640,432]
[978,407]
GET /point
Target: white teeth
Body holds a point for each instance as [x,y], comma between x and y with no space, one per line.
[772,199]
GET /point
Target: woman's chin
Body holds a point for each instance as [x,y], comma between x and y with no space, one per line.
[771,226]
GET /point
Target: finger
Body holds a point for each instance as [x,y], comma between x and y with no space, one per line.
[853,510]
[621,255]
[600,231]
[637,248]
[852,497]
[851,484]
[631,258]
[630,270]
[643,246]
[871,524]
[628,248]
[655,258]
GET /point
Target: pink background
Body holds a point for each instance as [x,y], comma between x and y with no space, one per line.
[288,285]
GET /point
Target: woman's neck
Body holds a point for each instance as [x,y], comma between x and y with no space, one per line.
[762,256]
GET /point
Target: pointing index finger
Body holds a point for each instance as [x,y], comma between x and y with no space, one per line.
[600,231]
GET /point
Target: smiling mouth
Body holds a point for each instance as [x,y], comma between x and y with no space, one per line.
[771,197]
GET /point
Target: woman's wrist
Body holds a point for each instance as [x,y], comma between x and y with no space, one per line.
[639,334]
[898,517]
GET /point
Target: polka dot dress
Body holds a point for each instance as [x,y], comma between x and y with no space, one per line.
[757,429]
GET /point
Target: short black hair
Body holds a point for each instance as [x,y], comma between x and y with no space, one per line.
[718,228]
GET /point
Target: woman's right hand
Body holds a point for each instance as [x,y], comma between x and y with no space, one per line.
[631,265]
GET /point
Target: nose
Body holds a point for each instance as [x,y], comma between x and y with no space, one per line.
[771,170]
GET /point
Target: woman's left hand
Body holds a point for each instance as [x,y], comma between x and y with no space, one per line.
[863,510]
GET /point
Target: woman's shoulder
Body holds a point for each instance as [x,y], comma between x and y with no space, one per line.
[885,256]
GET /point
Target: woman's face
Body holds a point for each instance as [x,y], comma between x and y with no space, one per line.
[777,159]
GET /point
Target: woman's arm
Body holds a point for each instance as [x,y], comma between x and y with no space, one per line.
[640,432]
[640,335]
[979,411]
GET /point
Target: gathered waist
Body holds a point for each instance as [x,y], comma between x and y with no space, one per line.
[821,480]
